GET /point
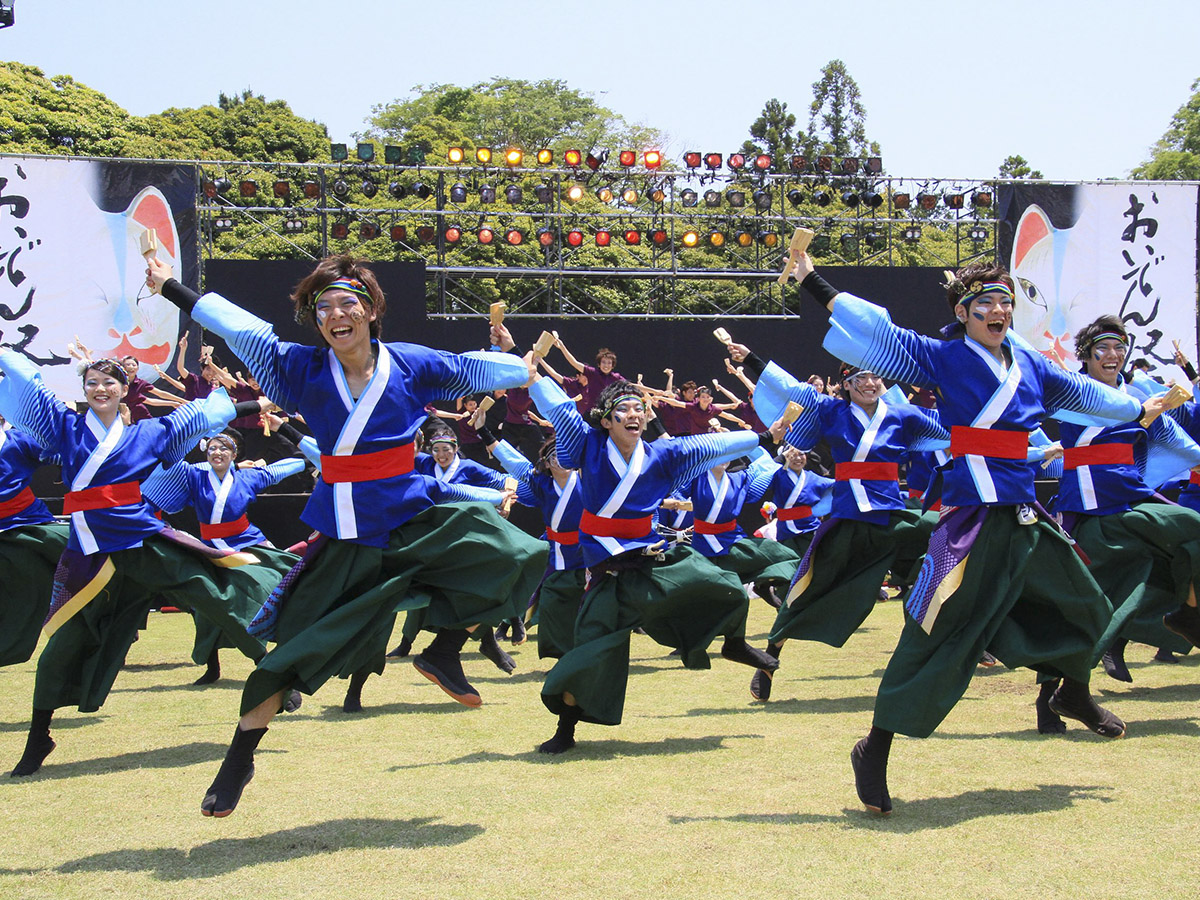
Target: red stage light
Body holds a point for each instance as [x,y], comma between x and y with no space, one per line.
[633,236]
[485,235]
[399,233]
[453,234]
[627,158]
[652,158]
[426,233]
[573,158]
[312,190]
[368,231]
[762,162]
[247,188]
[603,238]
[575,237]
[902,201]
[737,161]
[514,236]
[713,160]
[691,159]
[545,237]
[339,231]
[281,188]
[658,236]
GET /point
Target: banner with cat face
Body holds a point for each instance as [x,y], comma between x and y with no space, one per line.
[1079,251]
[71,260]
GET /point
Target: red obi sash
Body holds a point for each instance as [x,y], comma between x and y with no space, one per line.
[1195,478]
[566,538]
[104,497]
[368,466]
[224,529]
[1098,455]
[627,529]
[17,504]
[702,527]
[867,471]
[996,443]
[795,512]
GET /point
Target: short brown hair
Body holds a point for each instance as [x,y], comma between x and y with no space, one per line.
[329,270]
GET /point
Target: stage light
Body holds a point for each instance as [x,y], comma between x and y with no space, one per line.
[768,238]
[365,151]
[458,192]
[690,238]
[545,157]
[487,194]
[799,163]
[849,242]
[824,163]
[513,194]
[873,165]
[543,193]
[982,199]
[209,188]
[222,185]
[762,162]
[339,231]
[795,197]
[574,237]
[633,237]
[513,157]
[545,236]
[453,234]
[485,235]
[713,160]
[604,195]
[603,237]
[762,200]
[691,159]
[849,166]
[455,155]
[595,160]
[369,188]
[426,234]
[737,161]
[514,237]
[223,224]
[247,188]
[573,158]
[483,155]
[820,244]
[926,200]
[312,190]
[416,154]
[912,234]
[875,240]
[821,198]
[291,226]
[341,189]
[338,152]
[689,197]
[627,158]
[978,234]
[397,190]
[629,196]
[652,159]
[850,199]
[712,198]
[658,195]
[716,239]
[281,189]
[368,231]
[575,193]
[399,233]
[392,155]
[422,190]
[872,199]
[743,239]
[659,237]
[954,201]
[902,201]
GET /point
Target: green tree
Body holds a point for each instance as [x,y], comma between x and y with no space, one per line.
[837,117]
[774,132]
[1176,155]
[1017,167]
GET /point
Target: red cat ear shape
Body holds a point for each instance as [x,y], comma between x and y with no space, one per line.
[1033,227]
[150,210]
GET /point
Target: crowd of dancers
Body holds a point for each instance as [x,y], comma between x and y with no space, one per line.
[418,454]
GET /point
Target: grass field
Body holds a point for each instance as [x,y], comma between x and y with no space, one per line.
[700,793]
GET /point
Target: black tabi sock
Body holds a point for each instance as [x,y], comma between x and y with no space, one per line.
[564,734]
[869,759]
[353,700]
[235,773]
[37,745]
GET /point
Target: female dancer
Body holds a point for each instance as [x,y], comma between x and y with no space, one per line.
[999,575]
[385,545]
[119,556]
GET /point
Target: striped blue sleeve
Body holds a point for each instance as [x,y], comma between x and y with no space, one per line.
[697,453]
[28,404]
[188,423]
[308,446]
[465,493]
[512,461]
[1074,397]
[253,341]
[474,372]
[1171,453]
[923,432]
[775,387]
[805,432]
[569,428]
[284,468]
[761,472]
[166,488]
[863,335]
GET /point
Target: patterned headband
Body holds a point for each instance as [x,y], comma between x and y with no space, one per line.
[1107,336]
[986,287]
[619,400]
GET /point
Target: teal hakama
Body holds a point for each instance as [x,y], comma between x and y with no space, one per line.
[28,557]
[556,606]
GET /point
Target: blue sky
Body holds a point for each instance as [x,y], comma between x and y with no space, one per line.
[1081,90]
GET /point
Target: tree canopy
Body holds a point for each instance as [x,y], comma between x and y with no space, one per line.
[1176,155]
[1016,166]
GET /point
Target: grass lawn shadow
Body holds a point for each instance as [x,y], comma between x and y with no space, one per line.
[226,855]
[154,758]
[73,722]
[371,710]
[791,706]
